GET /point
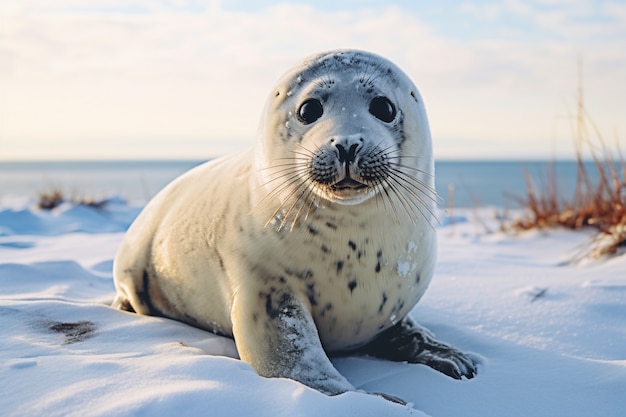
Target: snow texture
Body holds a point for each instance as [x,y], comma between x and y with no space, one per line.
[550,336]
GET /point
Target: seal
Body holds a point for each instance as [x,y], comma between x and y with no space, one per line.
[318,241]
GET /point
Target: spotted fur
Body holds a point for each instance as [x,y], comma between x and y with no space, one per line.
[319,240]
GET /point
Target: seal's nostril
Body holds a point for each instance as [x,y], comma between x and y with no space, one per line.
[342,153]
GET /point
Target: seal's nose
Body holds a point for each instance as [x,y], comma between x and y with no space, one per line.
[347,148]
[347,156]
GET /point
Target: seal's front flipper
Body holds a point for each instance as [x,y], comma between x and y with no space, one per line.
[276,334]
[409,342]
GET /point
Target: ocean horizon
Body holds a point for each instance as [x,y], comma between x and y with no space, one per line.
[461,184]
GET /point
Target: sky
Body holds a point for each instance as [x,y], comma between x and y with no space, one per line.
[188,79]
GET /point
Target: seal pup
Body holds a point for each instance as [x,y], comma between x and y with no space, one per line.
[318,241]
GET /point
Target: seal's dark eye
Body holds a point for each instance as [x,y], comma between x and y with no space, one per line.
[310,111]
[382,108]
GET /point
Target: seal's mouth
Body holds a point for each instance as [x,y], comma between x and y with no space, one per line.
[348,184]
[349,191]
[346,176]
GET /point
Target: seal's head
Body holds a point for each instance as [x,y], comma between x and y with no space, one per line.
[343,127]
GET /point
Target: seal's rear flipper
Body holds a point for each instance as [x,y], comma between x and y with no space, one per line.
[409,342]
[122,303]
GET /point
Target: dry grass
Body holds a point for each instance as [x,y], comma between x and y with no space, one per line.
[599,204]
[52,199]
[599,201]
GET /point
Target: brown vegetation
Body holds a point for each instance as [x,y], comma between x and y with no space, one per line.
[54,198]
[599,204]
[51,199]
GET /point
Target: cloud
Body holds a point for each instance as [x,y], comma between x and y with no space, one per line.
[183,74]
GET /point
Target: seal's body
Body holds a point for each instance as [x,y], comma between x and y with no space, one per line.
[319,240]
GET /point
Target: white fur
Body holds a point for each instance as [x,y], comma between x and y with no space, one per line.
[215,255]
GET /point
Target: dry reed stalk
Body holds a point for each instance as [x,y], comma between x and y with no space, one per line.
[600,205]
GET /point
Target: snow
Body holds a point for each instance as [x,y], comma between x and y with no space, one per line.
[550,335]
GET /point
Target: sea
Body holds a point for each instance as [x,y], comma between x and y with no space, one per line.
[459,184]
